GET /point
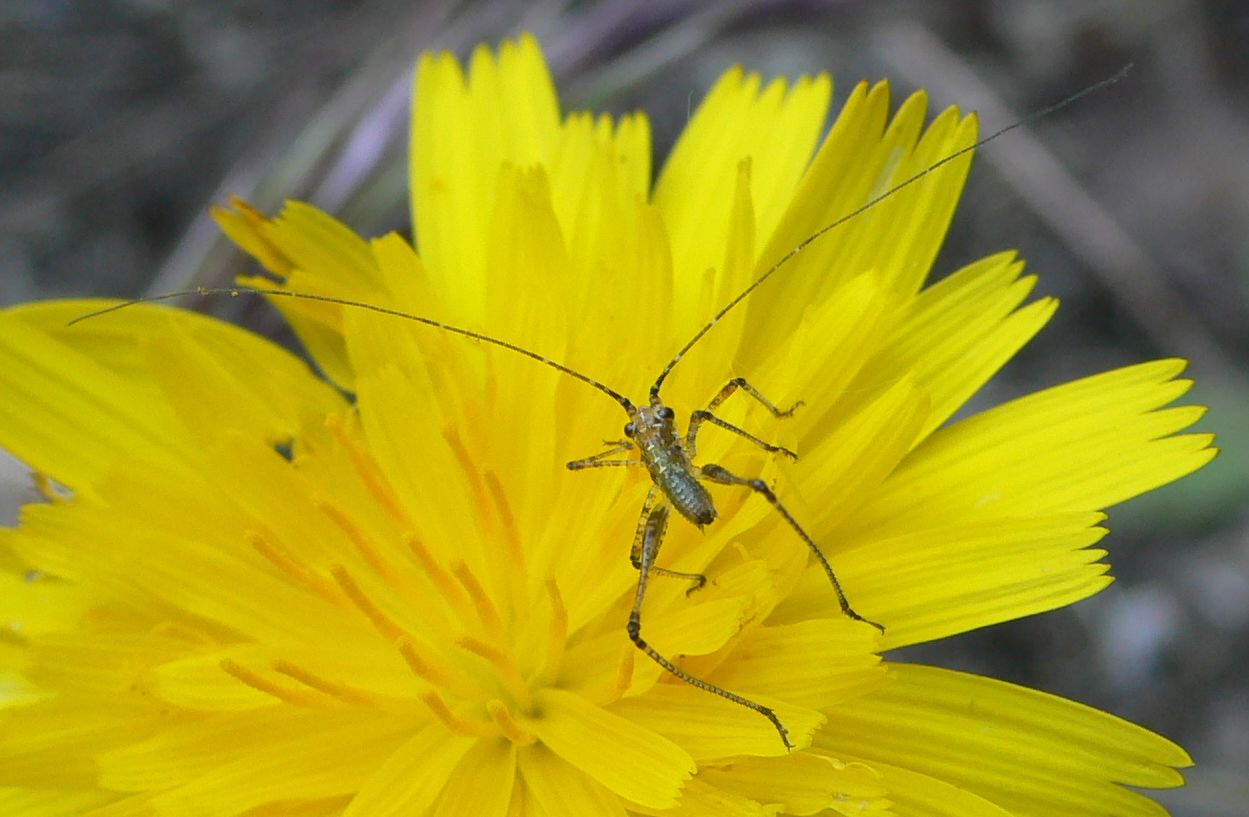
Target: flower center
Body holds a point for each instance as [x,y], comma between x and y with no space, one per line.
[473,648]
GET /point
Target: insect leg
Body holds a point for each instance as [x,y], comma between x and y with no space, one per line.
[719,474]
[598,461]
[654,522]
[740,383]
[708,414]
[581,465]
[651,525]
[697,419]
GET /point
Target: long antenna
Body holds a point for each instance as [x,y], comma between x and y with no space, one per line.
[663,375]
[806,242]
[395,313]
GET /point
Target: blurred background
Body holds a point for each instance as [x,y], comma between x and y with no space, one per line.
[122,120]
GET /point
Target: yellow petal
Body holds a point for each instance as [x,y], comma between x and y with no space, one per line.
[861,159]
[841,174]
[492,760]
[25,802]
[329,253]
[314,253]
[813,663]
[318,761]
[559,789]
[599,173]
[918,795]
[1081,446]
[139,360]
[98,663]
[51,387]
[225,391]
[628,759]
[188,748]
[959,332]
[861,453]
[506,112]
[33,604]
[530,267]
[700,799]
[412,777]
[694,191]
[803,783]
[711,728]
[913,222]
[247,227]
[51,743]
[930,584]
[1029,752]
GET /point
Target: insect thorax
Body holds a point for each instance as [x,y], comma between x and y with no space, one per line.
[653,429]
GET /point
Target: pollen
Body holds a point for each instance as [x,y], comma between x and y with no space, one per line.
[383,623]
[335,689]
[297,571]
[300,697]
[505,666]
[508,725]
[366,468]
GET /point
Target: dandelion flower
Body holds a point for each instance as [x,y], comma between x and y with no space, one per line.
[370,586]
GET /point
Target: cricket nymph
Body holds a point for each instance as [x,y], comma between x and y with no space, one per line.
[653,430]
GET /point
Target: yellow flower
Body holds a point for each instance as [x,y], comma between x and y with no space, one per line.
[254,590]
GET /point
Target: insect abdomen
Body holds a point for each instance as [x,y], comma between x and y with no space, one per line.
[687,495]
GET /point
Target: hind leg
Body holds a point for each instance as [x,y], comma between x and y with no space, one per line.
[721,475]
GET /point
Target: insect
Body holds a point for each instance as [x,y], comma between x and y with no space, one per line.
[653,435]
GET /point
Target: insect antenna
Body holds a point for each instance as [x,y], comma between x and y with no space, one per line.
[394,313]
[869,204]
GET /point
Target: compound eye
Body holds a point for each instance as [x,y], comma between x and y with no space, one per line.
[667,413]
[629,429]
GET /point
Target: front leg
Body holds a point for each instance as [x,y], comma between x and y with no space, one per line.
[708,414]
[599,460]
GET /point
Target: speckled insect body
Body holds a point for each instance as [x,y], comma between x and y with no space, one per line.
[653,432]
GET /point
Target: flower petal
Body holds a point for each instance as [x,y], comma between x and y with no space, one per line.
[52,386]
[312,252]
[25,802]
[815,663]
[33,604]
[561,790]
[918,795]
[735,120]
[50,743]
[855,458]
[930,584]
[492,760]
[314,762]
[862,158]
[700,799]
[505,113]
[122,370]
[630,760]
[958,333]
[711,728]
[1080,446]
[1029,752]
[412,776]
[803,783]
